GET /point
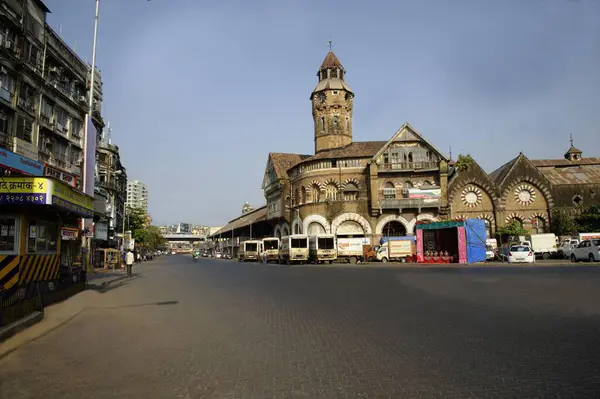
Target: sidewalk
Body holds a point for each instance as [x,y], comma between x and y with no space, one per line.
[39,324]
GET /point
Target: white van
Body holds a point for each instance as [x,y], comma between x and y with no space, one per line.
[322,248]
[250,250]
[294,249]
[271,247]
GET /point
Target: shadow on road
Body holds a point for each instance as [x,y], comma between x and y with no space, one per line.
[111,285]
[137,305]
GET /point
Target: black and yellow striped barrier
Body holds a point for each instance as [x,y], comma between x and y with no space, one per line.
[9,271]
[38,268]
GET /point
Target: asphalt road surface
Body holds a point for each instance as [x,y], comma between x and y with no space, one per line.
[221,329]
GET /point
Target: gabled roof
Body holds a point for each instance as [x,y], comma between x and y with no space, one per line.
[499,174]
[409,134]
[546,163]
[331,61]
[573,150]
[356,149]
[282,162]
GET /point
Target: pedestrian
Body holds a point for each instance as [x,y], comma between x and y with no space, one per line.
[129,259]
[265,257]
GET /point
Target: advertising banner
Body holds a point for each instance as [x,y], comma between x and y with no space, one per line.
[101,231]
[68,178]
[425,193]
[20,164]
[90,156]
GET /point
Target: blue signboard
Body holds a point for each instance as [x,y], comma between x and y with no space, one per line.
[22,198]
[19,163]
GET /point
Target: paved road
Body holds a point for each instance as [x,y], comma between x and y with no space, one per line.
[220,329]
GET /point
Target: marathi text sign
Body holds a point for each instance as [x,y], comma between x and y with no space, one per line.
[19,163]
[19,199]
[60,175]
[24,185]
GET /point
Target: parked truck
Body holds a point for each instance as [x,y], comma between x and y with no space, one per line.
[294,249]
[350,248]
[396,249]
[271,247]
[543,245]
[321,248]
[250,250]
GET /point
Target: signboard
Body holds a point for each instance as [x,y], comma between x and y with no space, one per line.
[67,234]
[72,200]
[26,149]
[424,193]
[20,164]
[90,155]
[101,231]
[57,174]
[43,191]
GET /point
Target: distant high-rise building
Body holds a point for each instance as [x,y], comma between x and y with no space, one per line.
[137,195]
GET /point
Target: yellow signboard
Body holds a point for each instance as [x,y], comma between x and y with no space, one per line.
[67,197]
[24,185]
[44,191]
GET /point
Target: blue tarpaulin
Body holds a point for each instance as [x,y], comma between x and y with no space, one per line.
[476,236]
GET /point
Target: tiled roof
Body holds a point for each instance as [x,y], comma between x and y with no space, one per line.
[564,162]
[282,162]
[357,149]
[574,150]
[572,175]
[331,61]
[255,216]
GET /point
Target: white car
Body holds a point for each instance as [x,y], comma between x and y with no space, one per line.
[586,250]
[521,254]
[218,256]
[489,253]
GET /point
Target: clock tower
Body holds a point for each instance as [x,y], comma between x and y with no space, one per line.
[332,102]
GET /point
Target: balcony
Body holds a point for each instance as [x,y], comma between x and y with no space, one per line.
[47,122]
[27,105]
[409,203]
[408,166]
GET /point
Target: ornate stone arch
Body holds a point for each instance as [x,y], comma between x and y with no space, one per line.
[296,223]
[514,215]
[285,227]
[331,181]
[315,218]
[420,217]
[460,217]
[479,183]
[354,217]
[309,187]
[277,231]
[540,185]
[391,218]
[351,180]
[539,215]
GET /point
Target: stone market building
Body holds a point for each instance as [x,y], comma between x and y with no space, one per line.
[375,188]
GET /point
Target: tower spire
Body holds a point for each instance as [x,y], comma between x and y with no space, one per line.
[330,45]
[571,139]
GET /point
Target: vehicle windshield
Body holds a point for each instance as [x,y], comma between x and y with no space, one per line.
[519,248]
[325,243]
[271,244]
[298,243]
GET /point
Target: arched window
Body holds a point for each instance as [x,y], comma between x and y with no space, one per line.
[303,195]
[488,228]
[316,193]
[517,221]
[538,225]
[389,191]
[410,157]
[406,188]
[297,196]
[331,192]
[350,192]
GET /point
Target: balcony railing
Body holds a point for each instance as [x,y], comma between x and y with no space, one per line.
[409,203]
[404,166]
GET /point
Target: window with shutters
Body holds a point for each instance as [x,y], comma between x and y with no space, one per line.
[24,129]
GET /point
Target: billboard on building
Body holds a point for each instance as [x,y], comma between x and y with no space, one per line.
[90,155]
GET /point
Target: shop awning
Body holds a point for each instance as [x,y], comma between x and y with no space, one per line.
[255,216]
[45,191]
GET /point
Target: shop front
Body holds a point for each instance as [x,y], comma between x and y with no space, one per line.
[40,230]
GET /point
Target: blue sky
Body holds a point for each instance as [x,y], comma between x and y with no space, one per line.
[199,92]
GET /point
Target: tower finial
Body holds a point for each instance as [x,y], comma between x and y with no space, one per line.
[330,45]
[571,138]
[450,150]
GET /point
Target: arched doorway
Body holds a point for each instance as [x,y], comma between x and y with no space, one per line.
[393,229]
[315,228]
[350,227]
[285,231]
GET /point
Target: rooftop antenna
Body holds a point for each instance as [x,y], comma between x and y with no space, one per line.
[571,138]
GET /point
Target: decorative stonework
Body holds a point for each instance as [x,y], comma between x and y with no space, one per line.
[315,183]
[351,217]
[512,216]
[471,196]
[331,181]
[524,194]
[536,215]
[351,180]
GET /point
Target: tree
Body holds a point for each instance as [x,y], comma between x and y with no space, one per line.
[464,162]
[563,223]
[136,219]
[589,219]
[513,229]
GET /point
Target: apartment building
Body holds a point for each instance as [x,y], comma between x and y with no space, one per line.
[43,92]
[137,195]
